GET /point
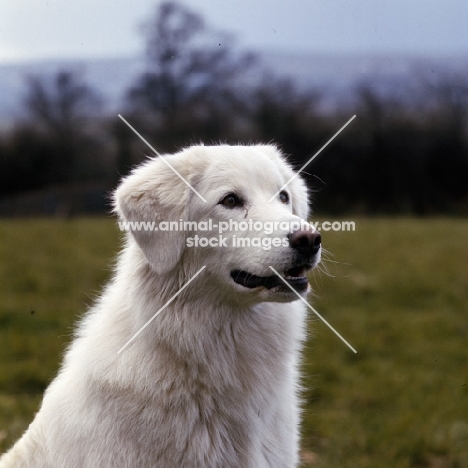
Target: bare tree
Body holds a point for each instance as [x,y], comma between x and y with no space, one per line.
[192,72]
[59,110]
[59,104]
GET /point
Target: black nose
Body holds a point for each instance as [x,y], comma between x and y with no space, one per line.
[306,242]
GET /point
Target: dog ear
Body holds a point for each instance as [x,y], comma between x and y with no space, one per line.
[151,194]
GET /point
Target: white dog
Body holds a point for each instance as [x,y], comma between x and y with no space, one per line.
[212,381]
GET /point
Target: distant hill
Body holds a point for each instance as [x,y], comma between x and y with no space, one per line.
[335,75]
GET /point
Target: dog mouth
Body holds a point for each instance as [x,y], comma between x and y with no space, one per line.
[295,277]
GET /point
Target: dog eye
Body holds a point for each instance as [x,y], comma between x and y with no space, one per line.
[231,201]
[284,197]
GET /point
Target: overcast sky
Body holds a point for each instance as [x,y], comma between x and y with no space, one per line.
[38,29]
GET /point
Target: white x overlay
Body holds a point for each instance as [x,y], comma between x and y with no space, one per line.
[203,267]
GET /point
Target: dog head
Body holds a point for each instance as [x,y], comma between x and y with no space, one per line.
[238,210]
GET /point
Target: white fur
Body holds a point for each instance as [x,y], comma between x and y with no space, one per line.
[213,380]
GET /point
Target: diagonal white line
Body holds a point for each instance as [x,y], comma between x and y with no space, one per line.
[313,157]
[313,310]
[161,309]
[141,137]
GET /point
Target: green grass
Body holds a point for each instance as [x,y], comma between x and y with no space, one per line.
[398,294]
[49,272]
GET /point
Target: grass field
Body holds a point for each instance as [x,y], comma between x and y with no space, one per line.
[398,292]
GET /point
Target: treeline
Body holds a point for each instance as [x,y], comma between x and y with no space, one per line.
[406,152]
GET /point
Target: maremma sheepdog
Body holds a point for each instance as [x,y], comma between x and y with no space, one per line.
[189,358]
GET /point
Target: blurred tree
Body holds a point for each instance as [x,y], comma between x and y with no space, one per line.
[61,107]
[29,163]
[447,162]
[190,86]
[379,164]
[61,110]
[284,114]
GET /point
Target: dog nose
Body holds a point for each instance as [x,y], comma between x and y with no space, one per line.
[306,242]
